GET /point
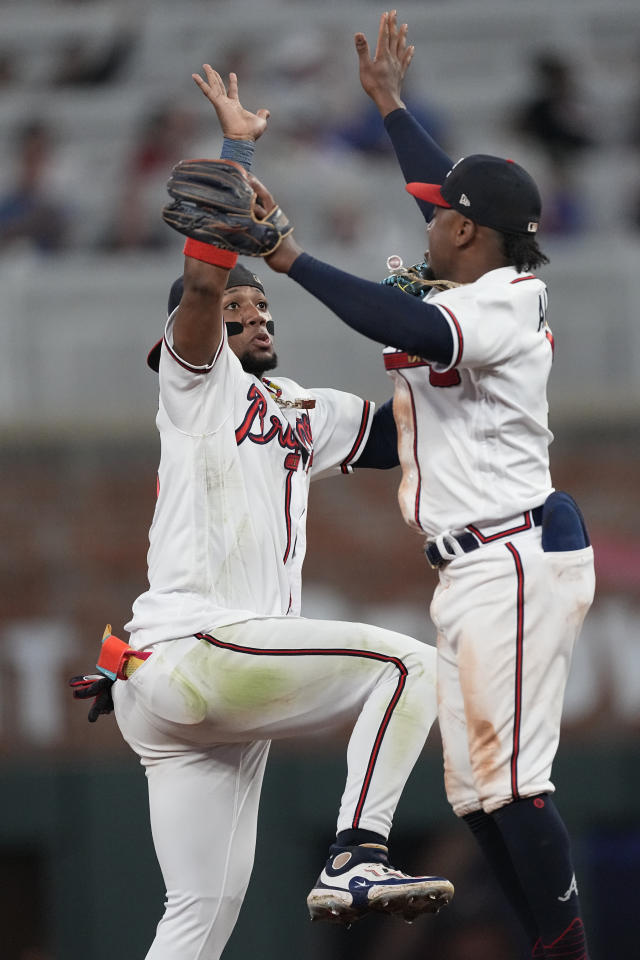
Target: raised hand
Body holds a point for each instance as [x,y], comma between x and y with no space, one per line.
[382,76]
[236,122]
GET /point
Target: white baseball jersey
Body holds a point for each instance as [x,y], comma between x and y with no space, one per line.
[473,436]
[233,484]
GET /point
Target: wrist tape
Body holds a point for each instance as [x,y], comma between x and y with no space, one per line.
[209,254]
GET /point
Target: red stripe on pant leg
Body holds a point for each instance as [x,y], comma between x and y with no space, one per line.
[517,710]
[378,741]
[321,652]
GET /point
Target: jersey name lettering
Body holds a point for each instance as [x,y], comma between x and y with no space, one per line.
[542,323]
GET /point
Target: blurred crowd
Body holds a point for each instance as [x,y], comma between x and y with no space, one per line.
[48,194]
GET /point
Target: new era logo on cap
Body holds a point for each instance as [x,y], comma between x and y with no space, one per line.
[492,191]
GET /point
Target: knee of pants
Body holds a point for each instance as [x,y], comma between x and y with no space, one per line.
[422,659]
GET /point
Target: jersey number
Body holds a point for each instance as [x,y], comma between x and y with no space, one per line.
[450,378]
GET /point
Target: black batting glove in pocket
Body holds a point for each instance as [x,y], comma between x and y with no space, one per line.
[98,687]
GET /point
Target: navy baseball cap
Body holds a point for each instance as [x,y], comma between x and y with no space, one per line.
[491,191]
[238,277]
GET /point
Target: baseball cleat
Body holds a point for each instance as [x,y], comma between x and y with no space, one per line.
[358,880]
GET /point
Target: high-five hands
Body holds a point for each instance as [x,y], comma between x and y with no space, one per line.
[236,122]
[382,76]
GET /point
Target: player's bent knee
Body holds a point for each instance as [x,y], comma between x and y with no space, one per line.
[426,657]
[415,655]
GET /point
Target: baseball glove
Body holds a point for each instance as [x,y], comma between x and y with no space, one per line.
[417,280]
[214,202]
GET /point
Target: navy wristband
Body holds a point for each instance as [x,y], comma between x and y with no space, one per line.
[241,151]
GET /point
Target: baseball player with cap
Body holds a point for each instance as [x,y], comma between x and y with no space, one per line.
[220,662]
[469,358]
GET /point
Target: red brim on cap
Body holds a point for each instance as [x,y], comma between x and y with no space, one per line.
[430,192]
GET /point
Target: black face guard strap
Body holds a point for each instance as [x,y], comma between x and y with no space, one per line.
[234,328]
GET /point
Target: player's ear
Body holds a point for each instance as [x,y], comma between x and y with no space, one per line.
[465,232]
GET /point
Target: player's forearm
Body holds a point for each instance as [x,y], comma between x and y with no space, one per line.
[418,154]
[197,328]
[381,313]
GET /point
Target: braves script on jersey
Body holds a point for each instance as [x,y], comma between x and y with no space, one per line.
[233,486]
[473,435]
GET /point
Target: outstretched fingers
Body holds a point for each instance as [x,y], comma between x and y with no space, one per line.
[382,45]
[362,49]
[232,92]
[398,42]
[404,53]
[213,86]
[236,122]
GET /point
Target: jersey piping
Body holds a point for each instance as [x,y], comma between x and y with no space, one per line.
[526,525]
[458,329]
[189,366]
[366,411]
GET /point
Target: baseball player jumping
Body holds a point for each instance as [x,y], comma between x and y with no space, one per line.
[220,661]
[470,361]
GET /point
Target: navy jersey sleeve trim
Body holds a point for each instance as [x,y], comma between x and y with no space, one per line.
[382,313]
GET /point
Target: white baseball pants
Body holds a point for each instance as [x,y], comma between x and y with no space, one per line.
[507,617]
[200,713]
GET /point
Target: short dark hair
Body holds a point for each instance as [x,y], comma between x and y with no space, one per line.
[522,251]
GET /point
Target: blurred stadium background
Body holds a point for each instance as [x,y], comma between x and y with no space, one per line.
[96,104]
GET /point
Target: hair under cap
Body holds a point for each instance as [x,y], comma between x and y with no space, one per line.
[238,277]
